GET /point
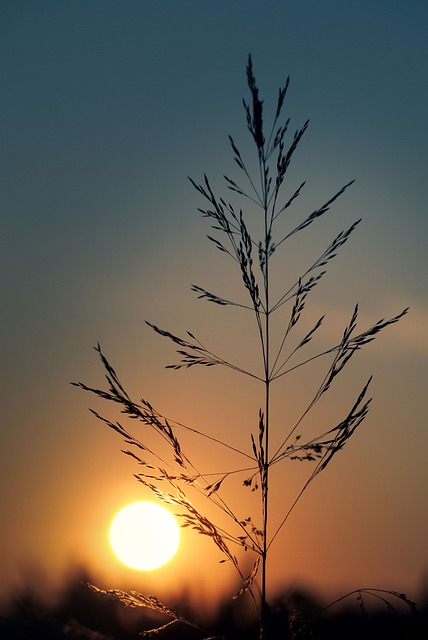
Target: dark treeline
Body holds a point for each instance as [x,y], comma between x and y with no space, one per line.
[82,614]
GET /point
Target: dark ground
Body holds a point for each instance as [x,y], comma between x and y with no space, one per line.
[85,615]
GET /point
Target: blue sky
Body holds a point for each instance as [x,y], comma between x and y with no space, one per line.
[106,108]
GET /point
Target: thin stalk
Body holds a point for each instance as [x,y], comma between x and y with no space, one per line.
[265,496]
[265,478]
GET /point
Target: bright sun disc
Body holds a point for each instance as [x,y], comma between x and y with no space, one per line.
[144,535]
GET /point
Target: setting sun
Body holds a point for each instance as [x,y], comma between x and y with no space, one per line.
[144,535]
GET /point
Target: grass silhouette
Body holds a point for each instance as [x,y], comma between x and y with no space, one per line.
[251,229]
[80,614]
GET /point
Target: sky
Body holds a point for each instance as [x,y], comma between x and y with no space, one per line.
[107,108]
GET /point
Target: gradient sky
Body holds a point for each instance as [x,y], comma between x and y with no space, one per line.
[106,108]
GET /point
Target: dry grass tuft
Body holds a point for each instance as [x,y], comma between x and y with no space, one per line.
[251,240]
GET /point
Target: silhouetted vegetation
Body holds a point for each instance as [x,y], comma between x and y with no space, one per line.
[82,614]
[252,242]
